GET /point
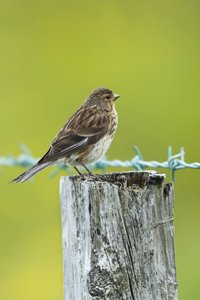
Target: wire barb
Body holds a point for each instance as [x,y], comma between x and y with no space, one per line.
[174,163]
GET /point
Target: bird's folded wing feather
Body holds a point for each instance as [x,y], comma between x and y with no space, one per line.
[84,128]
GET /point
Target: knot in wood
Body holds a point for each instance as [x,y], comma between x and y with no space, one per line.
[100,283]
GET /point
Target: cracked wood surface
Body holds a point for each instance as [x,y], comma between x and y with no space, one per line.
[118,237]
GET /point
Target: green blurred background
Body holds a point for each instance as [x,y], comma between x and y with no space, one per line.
[53,54]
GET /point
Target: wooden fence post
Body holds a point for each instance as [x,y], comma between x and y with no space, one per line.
[118,237]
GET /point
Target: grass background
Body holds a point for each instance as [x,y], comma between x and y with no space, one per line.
[52,54]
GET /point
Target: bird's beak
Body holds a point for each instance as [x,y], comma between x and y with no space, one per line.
[115,97]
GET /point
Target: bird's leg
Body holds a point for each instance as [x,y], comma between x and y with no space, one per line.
[87,169]
[96,177]
[77,170]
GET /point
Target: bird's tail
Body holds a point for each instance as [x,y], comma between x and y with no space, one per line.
[31,172]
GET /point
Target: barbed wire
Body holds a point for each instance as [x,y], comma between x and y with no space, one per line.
[174,162]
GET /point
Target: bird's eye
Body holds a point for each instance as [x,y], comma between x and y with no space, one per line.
[107,97]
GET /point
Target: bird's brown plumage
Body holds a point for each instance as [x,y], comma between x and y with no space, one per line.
[85,137]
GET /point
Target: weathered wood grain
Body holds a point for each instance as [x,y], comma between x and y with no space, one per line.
[118,237]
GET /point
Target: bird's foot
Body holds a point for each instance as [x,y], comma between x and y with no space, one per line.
[92,176]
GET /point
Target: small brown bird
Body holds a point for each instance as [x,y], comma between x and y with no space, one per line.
[85,137]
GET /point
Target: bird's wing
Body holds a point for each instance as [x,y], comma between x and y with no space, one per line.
[84,128]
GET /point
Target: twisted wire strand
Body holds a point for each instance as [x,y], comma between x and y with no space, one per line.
[174,162]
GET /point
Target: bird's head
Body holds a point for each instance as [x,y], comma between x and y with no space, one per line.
[102,98]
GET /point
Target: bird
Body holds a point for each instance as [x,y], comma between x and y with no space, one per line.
[86,136]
